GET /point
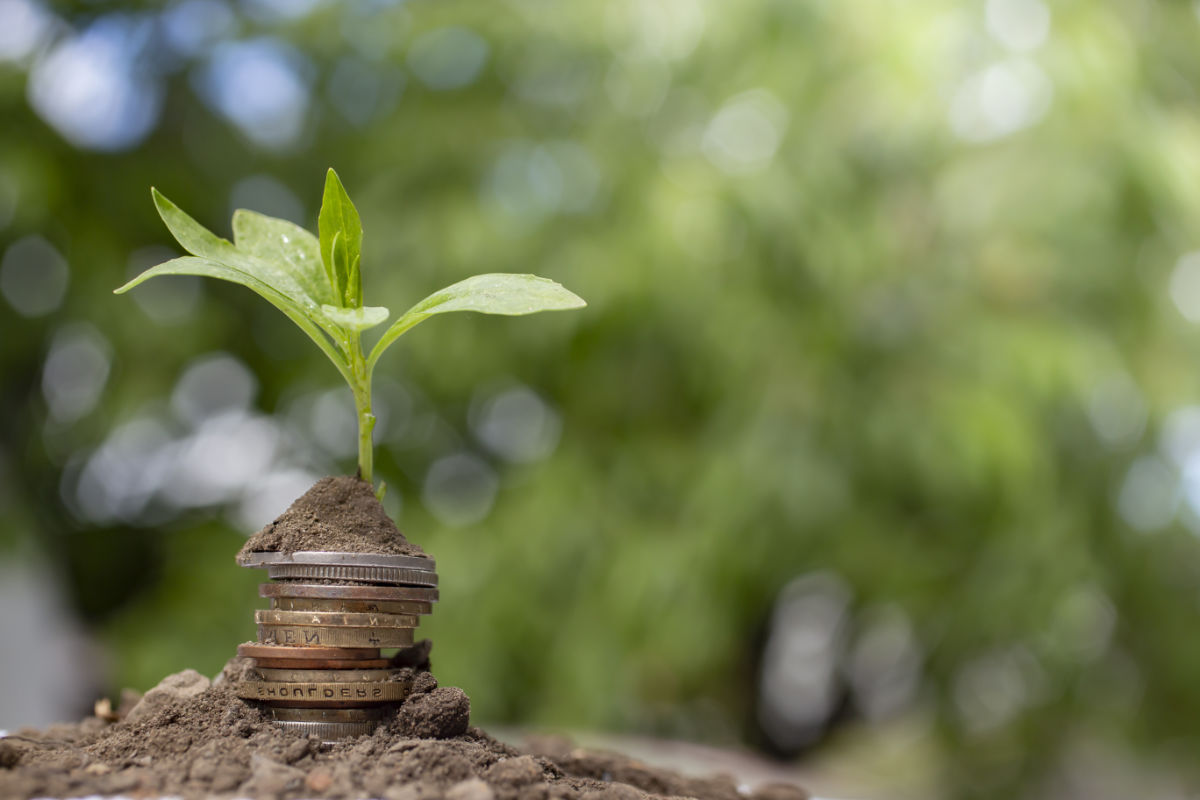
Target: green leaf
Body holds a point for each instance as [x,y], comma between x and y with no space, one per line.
[204,267]
[191,235]
[356,319]
[494,293]
[284,242]
[341,240]
[500,293]
[201,242]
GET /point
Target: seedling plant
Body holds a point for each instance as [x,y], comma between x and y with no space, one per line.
[317,282]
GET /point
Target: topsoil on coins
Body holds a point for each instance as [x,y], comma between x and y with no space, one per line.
[340,514]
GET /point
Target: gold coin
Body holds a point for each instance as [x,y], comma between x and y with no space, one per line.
[335,618]
[344,606]
[358,693]
[252,650]
[325,675]
[336,636]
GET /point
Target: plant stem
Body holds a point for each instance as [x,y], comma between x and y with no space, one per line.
[362,405]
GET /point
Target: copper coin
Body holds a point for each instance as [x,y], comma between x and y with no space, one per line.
[331,695]
[321,663]
[340,592]
[280,652]
[294,675]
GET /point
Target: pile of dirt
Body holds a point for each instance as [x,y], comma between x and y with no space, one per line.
[189,738]
[340,514]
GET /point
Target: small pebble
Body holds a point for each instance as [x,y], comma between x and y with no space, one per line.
[319,780]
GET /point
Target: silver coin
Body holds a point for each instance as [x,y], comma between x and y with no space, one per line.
[351,572]
[330,558]
[328,731]
[372,714]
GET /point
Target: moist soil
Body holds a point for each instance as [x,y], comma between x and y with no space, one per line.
[340,514]
[191,738]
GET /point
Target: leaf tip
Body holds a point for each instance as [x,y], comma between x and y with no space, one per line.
[161,201]
[332,179]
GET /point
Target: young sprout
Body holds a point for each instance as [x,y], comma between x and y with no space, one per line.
[317,283]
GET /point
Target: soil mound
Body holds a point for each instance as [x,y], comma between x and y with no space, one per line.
[197,740]
[340,514]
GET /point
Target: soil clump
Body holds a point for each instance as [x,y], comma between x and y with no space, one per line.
[340,514]
[196,739]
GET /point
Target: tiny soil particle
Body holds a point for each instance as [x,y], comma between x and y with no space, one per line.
[339,514]
[198,740]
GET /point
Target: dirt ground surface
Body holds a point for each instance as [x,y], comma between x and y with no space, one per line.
[339,514]
[192,738]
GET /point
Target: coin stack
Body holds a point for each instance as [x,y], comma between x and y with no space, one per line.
[318,665]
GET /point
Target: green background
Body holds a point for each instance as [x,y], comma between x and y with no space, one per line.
[885,291]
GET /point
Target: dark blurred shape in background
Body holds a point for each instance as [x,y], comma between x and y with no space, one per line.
[879,441]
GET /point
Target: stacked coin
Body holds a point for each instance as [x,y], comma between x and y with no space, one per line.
[318,665]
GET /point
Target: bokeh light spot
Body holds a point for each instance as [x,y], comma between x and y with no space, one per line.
[994,688]
[1180,436]
[193,26]
[95,88]
[267,195]
[1117,410]
[211,385]
[799,672]
[1185,286]
[460,489]
[269,495]
[75,372]
[529,181]
[360,91]
[448,58]
[260,86]
[1020,25]
[884,666]
[1149,496]
[33,276]
[274,11]
[1000,100]
[516,424]
[668,29]
[745,133]
[24,25]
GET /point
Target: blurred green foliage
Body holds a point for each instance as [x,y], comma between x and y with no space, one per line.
[883,290]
